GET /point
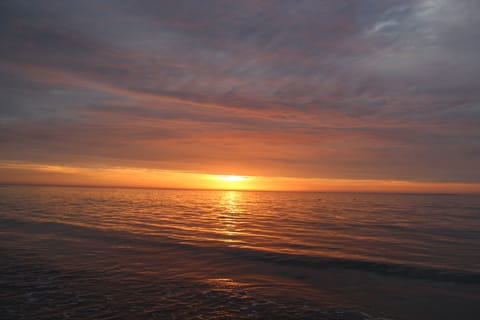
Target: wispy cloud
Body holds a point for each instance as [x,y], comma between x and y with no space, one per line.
[325,89]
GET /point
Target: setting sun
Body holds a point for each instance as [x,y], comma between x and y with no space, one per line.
[232,178]
[233,182]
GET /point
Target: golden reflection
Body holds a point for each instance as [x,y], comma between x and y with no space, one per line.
[230,201]
[228,215]
[225,283]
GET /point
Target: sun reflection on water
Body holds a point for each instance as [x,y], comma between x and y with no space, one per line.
[229,215]
[229,201]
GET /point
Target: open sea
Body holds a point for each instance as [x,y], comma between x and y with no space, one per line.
[107,253]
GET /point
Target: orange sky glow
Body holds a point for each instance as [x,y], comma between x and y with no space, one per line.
[247,95]
[27,173]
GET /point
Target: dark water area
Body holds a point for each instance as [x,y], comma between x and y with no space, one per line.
[92,253]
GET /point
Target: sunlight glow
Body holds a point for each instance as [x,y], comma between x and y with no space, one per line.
[53,174]
[232,178]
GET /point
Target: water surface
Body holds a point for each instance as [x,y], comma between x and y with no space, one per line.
[106,253]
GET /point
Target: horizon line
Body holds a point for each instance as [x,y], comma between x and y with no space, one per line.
[7,184]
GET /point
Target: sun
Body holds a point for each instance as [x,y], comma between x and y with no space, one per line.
[232,178]
[231,182]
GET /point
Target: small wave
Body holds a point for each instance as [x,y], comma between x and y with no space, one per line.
[134,240]
[383,268]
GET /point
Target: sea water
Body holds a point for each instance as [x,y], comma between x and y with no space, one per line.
[112,253]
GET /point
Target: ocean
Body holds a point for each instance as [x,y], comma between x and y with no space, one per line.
[115,253]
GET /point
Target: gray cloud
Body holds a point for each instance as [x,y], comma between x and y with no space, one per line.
[351,89]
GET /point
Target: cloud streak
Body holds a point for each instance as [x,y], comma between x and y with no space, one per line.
[322,89]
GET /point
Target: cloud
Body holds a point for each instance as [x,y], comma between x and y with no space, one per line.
[325,89]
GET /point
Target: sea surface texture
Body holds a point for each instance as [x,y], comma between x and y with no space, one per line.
[106,253]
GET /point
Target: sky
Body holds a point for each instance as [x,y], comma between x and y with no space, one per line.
[342,95]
